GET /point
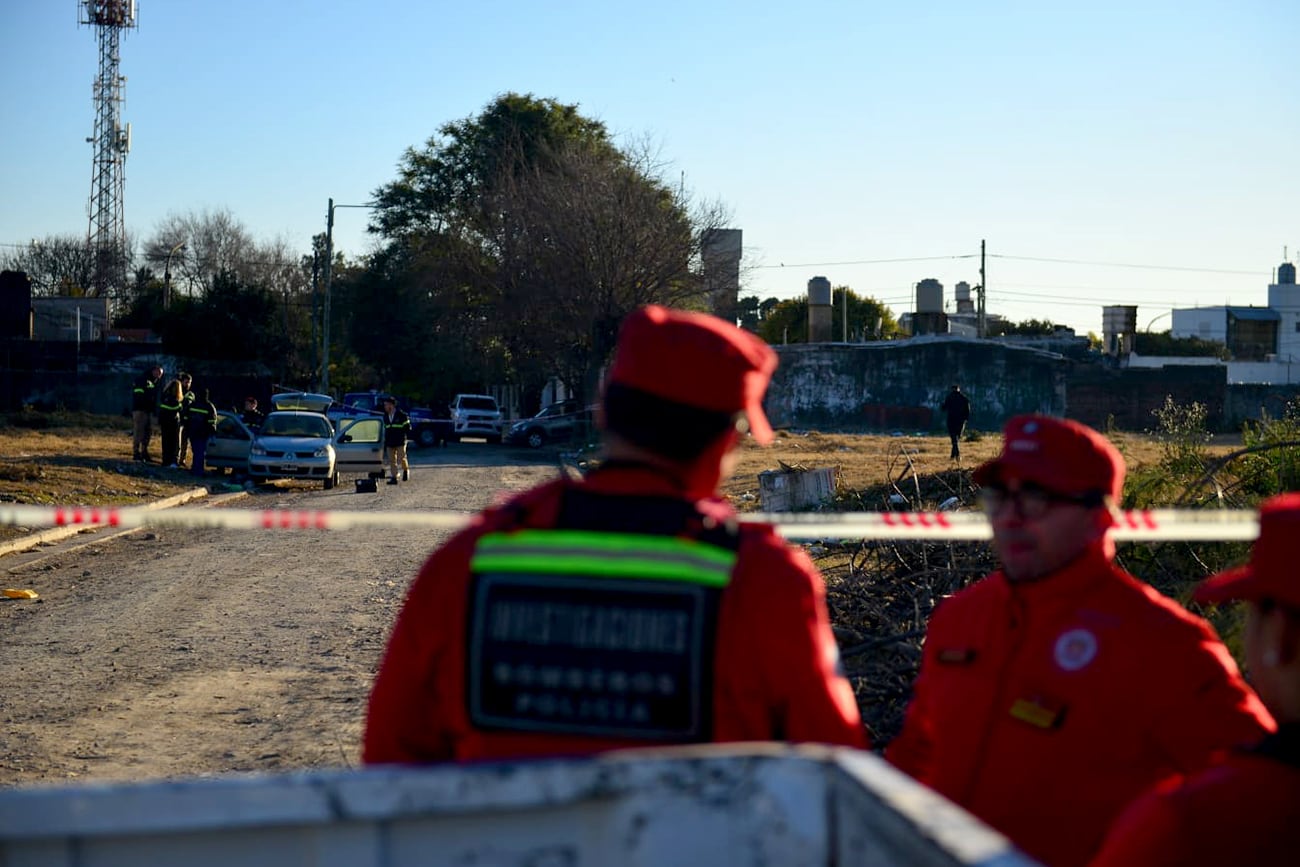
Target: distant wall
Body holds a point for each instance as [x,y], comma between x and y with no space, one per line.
[889,385]
[1099,395]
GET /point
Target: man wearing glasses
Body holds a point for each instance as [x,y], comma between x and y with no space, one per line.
[1054,691]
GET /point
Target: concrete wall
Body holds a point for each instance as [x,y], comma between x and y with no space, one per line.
[744,805]
[899,385]
[1098,395]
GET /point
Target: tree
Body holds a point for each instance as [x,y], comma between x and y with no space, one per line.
[536,235]
[1164,343]
[1027,328]
[56,265]
[750,311]
[869,319]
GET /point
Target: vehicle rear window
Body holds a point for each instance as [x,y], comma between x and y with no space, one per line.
[478,403]
[296,426]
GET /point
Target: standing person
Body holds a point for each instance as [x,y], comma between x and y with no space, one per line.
[201,424]
[956,410]
[170,404]
[252,416]
[1245,810]
[397,429]
[144,404]
[1054,691]
[187,401]
[665,620]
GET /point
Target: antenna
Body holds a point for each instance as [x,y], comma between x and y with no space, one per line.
[106,237]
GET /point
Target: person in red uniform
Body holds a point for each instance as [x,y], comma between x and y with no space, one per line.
[1054,691]
[627,608]
[1245,810]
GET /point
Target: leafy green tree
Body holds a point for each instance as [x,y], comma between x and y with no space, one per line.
[532,236]
[787,321]
[751,311]
[1164,343]
[1027,328]
[230,322]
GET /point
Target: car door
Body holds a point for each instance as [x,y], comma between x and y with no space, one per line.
[228,447]
[359,446]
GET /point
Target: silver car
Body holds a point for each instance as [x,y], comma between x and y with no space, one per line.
[296,444]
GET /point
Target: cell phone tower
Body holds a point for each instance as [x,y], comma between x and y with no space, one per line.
[106,238]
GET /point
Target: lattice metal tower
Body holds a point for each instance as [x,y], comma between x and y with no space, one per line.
[107,236]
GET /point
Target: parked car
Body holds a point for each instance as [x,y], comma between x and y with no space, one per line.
[298,444]
[428,426]
[475,415]
[557,422]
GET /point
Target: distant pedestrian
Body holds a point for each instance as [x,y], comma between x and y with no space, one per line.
[252,416]
[397,429]
[956,409]
[202,424]
[170,404]
[187,400]
[144,404]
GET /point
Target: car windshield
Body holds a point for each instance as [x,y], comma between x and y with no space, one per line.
[478,403]
[278,425]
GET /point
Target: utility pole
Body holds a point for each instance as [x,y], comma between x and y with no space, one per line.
[325,318]
[329,276]
[981,324]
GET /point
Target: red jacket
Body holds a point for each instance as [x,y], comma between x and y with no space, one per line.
[775,665]
[1044,708]
[1243,811]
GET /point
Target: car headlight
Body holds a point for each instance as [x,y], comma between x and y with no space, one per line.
[325,451]
[257,449]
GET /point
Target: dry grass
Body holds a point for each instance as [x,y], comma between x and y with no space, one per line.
[76,460]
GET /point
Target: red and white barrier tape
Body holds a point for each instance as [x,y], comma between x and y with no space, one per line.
[1158,525]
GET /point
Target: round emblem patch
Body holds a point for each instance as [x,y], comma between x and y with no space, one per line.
[1075,649]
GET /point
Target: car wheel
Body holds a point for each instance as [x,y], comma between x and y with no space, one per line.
[332,480]
[426,437]
[535,439]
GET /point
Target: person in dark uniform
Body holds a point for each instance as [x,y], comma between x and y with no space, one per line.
[397,429]
[629,607]
[201,424]
[144,405]
[252,416]
[956,410]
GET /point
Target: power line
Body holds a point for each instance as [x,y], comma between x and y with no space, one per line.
[865,261]
[1121,264]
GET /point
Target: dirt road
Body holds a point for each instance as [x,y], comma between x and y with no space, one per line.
[170,653]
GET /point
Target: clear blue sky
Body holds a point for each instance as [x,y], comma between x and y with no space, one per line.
[1141,132]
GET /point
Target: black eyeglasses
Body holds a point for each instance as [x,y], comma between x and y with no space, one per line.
[1031,501]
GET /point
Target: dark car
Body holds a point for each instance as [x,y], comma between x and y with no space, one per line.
[557,422]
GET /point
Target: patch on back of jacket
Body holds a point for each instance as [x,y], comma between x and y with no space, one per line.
[591,656]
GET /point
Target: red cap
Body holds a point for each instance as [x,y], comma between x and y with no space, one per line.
[1057,454]
[696,360]
[1270,574]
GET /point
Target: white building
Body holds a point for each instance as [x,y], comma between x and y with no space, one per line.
[1263,342]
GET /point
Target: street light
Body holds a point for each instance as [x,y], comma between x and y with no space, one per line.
[329,270]
[167,275]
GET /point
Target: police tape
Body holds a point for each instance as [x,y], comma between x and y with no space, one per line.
[1157,525]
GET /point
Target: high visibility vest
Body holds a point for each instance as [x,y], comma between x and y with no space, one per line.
[596,634]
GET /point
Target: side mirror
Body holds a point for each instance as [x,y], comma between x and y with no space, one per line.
[346,438]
